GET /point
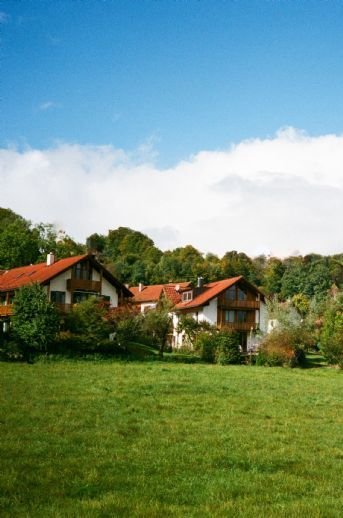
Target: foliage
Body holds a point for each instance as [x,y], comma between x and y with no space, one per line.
[331,337]
[227,348]
[88,320]
[283,346]
[157,324]
[129,329]
[18,243]
[301,303]
[133,257]
[191,328]
[35,322]
[218,347]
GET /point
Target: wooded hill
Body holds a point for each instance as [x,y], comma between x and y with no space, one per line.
[133,257]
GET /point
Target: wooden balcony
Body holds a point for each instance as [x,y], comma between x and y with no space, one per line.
[84,285]
[239,304]
[6,311]
[239,326]
[63,308]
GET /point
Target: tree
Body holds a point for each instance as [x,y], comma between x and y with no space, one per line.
[89,320]
[35,320]
[238,263]
[331,337]
[158,325]
[19,244]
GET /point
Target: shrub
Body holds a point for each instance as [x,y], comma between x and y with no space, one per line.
[331,337]
[35,320]
[283,346]
[227,348]
[89,320]
[205,345]
[218,347]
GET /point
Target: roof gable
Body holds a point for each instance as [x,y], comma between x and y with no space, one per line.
[209,292]
[42,273]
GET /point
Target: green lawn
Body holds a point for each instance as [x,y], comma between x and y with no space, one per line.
[83,438]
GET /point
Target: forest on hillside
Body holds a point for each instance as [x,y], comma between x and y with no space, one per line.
[133,257]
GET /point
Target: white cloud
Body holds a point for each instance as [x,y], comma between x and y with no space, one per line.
[275,195]
[48,105]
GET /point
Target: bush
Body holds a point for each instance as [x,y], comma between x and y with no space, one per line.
[35,321]
[331,337]
[283,346]
[74,344]
[220,347]
[227,348]
[205,345]
[89,319]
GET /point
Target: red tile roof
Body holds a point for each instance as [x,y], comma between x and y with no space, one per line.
[153,293]
[210,291]
[147,293]
[17,277]
[174,291]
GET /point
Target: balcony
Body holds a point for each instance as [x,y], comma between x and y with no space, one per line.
[6,311]
[83,285]
[239,304]
[239,326]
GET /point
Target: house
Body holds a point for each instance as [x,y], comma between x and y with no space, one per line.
[227,304]
[147,297]
[66,281]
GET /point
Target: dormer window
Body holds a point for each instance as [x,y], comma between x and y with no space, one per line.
[187,296]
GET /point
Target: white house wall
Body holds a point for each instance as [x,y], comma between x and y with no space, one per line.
[59,283]
[148,305]
[209,313]
[263,317]
[109,291]
[95,275]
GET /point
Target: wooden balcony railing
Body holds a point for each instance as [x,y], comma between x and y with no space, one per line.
[243,304]
[83,284]
[6,311]
[239,326]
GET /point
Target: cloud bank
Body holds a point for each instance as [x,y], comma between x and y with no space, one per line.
[273,195]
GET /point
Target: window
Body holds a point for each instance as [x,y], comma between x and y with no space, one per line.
[230,293]
[58,297]
[83,271]
[229,317]
[241,316]
[2,299]
[187,295]
[79,296]
[241,294]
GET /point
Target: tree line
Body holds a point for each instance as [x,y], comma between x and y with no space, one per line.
[133,258]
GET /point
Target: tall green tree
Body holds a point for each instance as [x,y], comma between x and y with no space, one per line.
[19,244]
[35,322]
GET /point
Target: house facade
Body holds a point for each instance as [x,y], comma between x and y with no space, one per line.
[227,304]
[66,282]
[148,297]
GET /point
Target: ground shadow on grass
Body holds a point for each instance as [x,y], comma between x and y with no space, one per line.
[314,361]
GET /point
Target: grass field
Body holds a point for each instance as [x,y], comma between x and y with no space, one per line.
[83,438]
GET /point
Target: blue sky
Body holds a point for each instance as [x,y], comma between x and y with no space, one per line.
[215,123]
[185,75]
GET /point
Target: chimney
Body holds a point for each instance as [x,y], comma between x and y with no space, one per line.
[140,287]
[177,287]
[50,259]
[200,282]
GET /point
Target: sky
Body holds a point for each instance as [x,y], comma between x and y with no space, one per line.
[212,123]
